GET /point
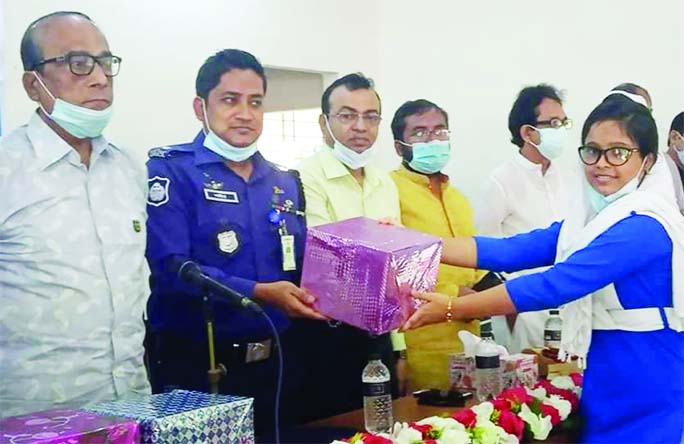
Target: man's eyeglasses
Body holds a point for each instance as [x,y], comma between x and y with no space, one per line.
[82,64]
[616,155]
[349,118]
[423,135]
[556,123]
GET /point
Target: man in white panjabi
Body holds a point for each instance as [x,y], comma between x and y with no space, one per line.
[526,192]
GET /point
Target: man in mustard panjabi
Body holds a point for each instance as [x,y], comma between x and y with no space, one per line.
[429,204]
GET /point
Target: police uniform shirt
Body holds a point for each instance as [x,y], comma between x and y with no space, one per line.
[200,210]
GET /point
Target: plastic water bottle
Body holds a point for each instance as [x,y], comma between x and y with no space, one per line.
[377,396]
[552,330]
[488,372]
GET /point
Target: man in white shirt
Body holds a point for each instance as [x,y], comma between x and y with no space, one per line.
[675,157]
[73,276]
[528,191]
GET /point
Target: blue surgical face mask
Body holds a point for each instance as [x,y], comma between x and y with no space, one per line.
[80,122]
[552,141]
[214,143]
[429,157]
[598,201]
[347,156]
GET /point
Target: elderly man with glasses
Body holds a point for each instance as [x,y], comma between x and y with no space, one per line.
[339,183]
[73,276]
[430,204]
[528,191]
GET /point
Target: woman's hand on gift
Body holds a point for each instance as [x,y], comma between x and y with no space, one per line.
[294,301]
[433,312]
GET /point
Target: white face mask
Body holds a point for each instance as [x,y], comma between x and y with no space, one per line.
[552,141]
[347,156]
[214,143]
[598,201]
[80,122]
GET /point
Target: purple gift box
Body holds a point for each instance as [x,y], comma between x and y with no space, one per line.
[363,272]
[65,426]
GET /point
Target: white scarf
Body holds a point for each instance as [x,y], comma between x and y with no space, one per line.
[654,198]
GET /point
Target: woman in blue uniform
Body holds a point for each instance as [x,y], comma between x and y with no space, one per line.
[618,275]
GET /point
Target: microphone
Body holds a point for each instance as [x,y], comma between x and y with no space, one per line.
[191,272]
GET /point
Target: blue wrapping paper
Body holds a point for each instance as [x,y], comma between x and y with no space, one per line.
[186,417]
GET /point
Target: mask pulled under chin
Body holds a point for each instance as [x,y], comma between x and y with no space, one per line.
[347,156]
[80,122]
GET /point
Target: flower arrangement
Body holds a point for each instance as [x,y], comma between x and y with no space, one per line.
[517,414]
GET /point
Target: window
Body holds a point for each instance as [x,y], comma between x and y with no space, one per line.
[290,136]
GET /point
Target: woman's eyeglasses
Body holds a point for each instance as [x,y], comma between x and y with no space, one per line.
[615,155]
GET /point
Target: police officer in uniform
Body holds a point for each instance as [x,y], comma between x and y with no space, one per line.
[216,201]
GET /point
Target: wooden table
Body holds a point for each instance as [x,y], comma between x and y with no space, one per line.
[405,409]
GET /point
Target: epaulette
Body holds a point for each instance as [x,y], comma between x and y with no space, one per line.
[159,152]
[168,151]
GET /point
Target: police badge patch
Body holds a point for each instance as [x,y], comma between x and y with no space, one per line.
[228,241]
[158,191]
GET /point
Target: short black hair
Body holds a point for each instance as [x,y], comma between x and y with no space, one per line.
[633,88]
[634,118]
[209,74]
[411,108]
[31,52]
[678,123]
[524,110]
[352,82]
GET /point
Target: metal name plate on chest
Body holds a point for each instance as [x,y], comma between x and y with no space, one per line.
[221,196]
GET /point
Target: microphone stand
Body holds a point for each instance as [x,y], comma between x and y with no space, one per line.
[215,372]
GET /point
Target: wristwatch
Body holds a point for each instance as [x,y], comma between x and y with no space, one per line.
[400,354]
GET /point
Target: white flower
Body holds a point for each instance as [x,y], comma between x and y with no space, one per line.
[540,426]
[439,423]
[407,436]
[538,393]
[564,407]
[483,411]
[563,382]
[485,432]
[452,436]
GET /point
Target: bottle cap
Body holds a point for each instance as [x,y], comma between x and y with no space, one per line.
[374,357]
[486,328]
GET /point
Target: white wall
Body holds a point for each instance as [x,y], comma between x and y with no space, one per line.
[470,57]
[163,44]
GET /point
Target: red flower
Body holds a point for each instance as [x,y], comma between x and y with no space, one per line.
[424,429]
[466,417]
[501,404]
[512,423]
[517,395]
[375,439]
[429,441]
[546,384]
[547,410]
[577,379]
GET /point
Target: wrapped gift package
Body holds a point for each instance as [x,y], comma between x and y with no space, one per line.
[461,371]
[64,426]
[363,272]
[185,417]
[519,369]
[549,366]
